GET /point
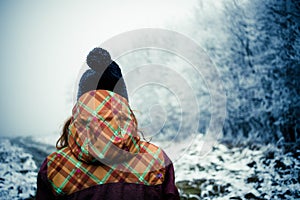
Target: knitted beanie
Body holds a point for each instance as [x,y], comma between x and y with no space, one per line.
[103,74]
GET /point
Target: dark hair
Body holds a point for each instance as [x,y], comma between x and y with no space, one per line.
[63,140]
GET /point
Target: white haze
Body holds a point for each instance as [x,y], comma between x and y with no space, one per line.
[44,44]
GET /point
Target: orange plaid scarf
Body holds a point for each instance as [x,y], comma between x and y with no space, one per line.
[104,147]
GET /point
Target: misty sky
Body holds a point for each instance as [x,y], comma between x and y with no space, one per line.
[44,44]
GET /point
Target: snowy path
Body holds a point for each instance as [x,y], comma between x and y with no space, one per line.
[20,159]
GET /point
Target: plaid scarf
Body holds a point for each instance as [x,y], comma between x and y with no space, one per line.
[104,147]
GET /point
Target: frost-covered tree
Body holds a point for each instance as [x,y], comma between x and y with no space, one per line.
[260,66]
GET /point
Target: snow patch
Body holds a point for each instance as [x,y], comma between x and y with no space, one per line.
[18,172]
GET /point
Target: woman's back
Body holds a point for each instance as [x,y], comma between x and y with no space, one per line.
[105,158]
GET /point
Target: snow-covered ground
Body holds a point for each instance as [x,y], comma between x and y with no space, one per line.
[18,172]
[256,172]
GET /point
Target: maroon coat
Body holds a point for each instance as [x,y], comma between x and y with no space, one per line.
[105,158]
[112,191]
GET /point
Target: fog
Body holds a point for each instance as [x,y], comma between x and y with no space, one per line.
[44,45]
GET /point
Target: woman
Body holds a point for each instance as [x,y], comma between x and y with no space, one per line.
[99,154]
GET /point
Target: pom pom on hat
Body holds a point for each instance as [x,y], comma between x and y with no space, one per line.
[98,59]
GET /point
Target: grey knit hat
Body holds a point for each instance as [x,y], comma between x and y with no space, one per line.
[103,74]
